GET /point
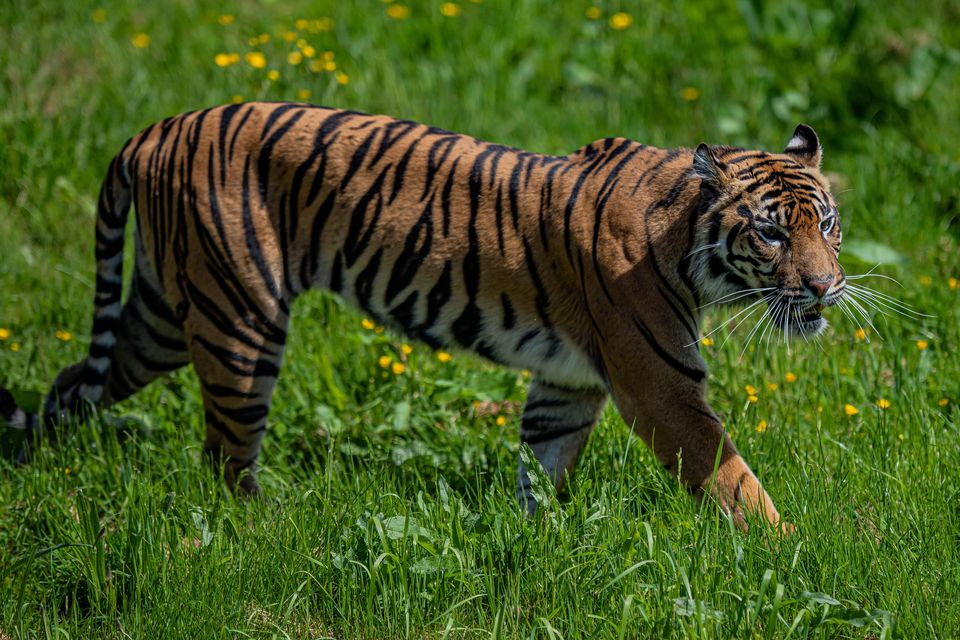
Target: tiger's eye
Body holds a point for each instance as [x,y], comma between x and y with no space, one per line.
[771,233]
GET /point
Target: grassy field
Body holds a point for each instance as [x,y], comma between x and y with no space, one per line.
[388,508]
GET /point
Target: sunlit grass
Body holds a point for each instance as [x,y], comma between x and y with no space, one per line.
[389,469]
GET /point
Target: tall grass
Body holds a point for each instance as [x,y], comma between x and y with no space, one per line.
[388,508]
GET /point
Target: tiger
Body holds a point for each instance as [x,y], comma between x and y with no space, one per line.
[589,270]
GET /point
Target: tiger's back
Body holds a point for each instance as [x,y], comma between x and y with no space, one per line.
[588,269]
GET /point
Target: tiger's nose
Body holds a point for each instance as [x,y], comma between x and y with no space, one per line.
[819,285]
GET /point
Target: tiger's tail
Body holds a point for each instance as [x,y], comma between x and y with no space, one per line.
[84,381]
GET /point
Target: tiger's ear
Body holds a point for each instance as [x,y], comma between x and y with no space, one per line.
[706,167]
[805,146]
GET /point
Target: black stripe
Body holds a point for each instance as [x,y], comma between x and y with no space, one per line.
[222,391]
[546,436]
[363,286]
[403,312]
[542,300]
[357,159]
[416,249]
[434,163]
[253,245]
[509,315]
[388,140]
[220,427]
[236,132]
[275,115]
[437,297]
[445,197]
[309,273]
[694,374]
[357,239]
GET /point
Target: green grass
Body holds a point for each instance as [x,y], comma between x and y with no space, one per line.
[388,508]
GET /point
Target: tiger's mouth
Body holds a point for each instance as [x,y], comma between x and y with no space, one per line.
[797,319]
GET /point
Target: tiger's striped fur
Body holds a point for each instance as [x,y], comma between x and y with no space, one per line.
[589,270]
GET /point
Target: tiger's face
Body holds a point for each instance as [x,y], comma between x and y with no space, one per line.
[773,230]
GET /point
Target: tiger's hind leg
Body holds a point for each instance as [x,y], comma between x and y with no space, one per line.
[237,363]
[146,343]
[556,424]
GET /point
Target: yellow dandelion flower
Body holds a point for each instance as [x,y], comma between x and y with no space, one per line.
[384,361]
[772,386]
[593,13]
[63,336]
[66,471]
[953,283]
[450,9]
[501,420]
[707,342]
[942,401]
[859,335]
[263,38]
[525,373]
[398,11]
[140,40]
[398,368]
[922,345]
[443,356]
[15,346]
[303,94]
[750,389]
[322,24]
[289,36]
[690,94]
[256,59]
[327,56]
[753,399]
[406,349]
[4,334]
[301,43]
[925,280]
[99,16]
[301,23]
[273,75]
[883,403]
[237,99]
[308,51]
[761,426]
[620,21]
[367,324]
[330,65]
[226,59]
[790,377]
[341,77]
[316,66]
[294,57]
[850,410]
[226,19]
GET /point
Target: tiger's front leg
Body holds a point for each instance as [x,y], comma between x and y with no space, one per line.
[669,411]
[556,424]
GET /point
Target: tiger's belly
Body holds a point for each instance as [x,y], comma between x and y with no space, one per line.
[527,343]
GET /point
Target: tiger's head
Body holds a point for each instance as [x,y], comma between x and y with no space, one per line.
[769,227]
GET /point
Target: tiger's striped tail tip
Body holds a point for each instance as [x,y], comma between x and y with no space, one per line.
[16,419]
